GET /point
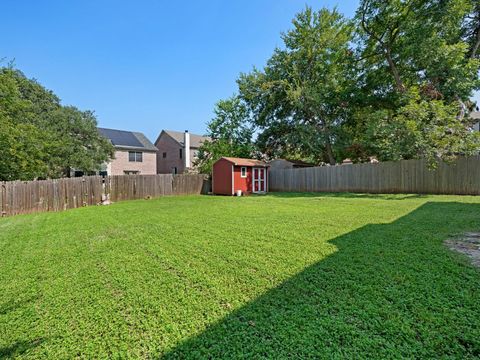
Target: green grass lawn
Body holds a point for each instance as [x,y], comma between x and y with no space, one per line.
[278,276]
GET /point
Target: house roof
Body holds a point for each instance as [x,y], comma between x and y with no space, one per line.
[296,163]
[300,163]
[245,162]
[178,136]
[475,115]
[127,139]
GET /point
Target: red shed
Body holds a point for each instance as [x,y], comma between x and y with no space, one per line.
[233,174]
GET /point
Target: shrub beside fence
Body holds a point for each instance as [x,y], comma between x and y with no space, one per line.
[22,197]
[407,176]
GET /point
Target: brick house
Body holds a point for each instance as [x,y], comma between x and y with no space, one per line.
[134,153]
[475,115]
[177,151]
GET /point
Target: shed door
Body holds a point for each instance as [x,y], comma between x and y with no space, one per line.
[259,180]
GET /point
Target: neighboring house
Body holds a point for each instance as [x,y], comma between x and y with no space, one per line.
[134,153]
[279,164]
[476,116]
[177,151]
[231,176]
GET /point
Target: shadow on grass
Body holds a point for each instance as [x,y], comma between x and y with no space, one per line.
[347,195]
[391,290]
[19,347]
[10,306]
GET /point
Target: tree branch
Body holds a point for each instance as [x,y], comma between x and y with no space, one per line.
[385,47]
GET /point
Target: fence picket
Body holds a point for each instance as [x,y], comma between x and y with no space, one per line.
[406,176]
[22,197]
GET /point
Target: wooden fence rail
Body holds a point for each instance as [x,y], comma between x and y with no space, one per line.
[23,197]
[407,176]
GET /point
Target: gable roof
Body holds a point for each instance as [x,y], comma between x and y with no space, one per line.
[295,163]
[475,115]
[245,162]
[178,136]
[127,139]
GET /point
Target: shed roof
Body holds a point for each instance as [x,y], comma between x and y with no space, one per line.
[246,162]
[127,139]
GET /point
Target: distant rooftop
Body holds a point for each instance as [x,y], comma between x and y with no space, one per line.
[127,139]
[298,163]
[475,115]
[195,140]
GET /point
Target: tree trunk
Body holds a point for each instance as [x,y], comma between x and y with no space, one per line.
[476,44]
[394,70]
[461,109]
[476,33]
[328,148]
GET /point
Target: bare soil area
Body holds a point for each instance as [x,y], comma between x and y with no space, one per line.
[468,244]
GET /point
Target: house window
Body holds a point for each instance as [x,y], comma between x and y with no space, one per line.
[174,170]
[135,156]
[131,172]
[164,155]
[243,172]
[181,153]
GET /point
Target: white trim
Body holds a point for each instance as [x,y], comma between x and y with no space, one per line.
[241,172]
[186,145]
[253,181]
[266,179]
[233,179]
[258,180]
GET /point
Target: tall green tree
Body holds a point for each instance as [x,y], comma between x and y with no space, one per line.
[300,100]
[21,154]
[39,137]
[419,74]
[419,43]
[471,30]
[230,133]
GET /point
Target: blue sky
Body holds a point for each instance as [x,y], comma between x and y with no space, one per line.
[146,65]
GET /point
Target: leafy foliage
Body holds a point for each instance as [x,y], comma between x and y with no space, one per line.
[395,82]
[415,58]
[301,98]
[230,134]
[21,156]
[471,30]
[420,128]
[42,138]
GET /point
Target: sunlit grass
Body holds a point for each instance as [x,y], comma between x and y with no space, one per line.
[292,275]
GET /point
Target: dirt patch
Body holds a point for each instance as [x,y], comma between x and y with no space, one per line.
[468,244]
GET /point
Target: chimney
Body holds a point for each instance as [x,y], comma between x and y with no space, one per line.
[186,143]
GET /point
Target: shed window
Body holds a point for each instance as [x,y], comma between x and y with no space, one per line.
[243,172]
[135,156]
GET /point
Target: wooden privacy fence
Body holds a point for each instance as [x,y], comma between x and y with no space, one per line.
[406,176]
[22,197]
